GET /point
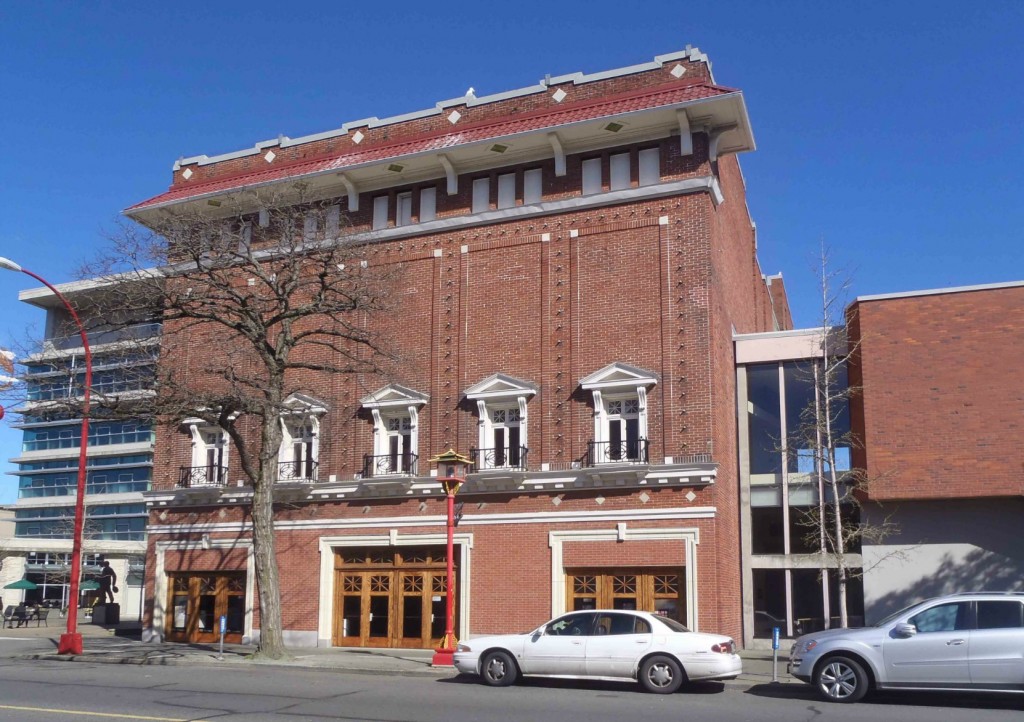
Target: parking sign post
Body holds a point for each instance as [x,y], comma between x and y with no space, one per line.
[775,654]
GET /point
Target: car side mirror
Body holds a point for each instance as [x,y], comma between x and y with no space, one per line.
[904,631]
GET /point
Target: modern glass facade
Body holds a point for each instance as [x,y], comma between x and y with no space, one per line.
[792,582]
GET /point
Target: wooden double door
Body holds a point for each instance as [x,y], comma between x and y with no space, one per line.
[653,589]
[390,598]
[197,602]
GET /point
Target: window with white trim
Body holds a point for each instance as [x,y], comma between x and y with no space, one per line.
[619,167]
[403,210]
[507,445]
[650,166]
[297,460]
[380,212]
[507,190]
[591,169]
[399,441]
[532,186]
[209,456]
[481,195]
[622,416]
[428,204]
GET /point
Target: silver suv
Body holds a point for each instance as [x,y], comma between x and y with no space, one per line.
[970,642]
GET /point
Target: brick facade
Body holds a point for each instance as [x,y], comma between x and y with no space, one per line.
[942,404]
[657,281]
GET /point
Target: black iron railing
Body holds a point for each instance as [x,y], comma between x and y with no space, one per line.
[389,465]
[302,470]
[192,477]
[502,457]
[617,452]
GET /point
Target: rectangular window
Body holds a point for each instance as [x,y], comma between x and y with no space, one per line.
[333,221]
[481,195]
[650,166]
[532,190]
[619,168]
[403,209]
[507,190]
[428,204]
[309,224]
[1000,615]
[380,212]
[591,176]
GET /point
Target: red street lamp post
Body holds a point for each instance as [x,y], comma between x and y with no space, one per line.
[451,472]
[71,641]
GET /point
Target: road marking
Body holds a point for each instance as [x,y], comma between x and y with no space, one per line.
[82,713]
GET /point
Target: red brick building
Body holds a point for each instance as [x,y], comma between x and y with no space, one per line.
[578,255]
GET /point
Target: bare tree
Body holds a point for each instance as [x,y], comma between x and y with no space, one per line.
[836,527]
[260,297]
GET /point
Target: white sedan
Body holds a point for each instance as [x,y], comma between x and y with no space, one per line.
[656,651]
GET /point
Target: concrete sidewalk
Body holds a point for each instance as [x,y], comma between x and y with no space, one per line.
[121,645]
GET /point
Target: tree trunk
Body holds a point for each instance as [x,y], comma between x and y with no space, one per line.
[271,644]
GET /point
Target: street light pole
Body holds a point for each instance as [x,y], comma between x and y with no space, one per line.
[71,641]
[451,472]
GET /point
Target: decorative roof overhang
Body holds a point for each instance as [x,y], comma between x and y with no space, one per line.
[652,112]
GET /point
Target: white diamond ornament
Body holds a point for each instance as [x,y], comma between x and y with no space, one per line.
[559,95]
[690,496]
[454,116]
[678,71]
[357,137]
[187,174]
[269,157]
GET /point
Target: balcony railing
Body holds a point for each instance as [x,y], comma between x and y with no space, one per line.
[303,470]
[617,452]
[502,457]
[197,477]
[389,465]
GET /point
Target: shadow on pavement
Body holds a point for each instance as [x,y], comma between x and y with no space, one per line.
[961,700]
[692,688]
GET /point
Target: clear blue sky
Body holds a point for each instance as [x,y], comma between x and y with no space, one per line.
[889,129]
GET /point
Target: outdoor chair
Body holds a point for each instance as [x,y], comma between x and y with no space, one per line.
[17,614]
[8,616]
[41,614]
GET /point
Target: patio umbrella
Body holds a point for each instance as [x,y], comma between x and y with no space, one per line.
[89,584]
[22,584]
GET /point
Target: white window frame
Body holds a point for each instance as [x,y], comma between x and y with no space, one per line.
[481,195]
[649,162]
[619,171]
[618,382]
[488,425]
[533,186]
[507,190]
[203,443]
[428,204]
[304,430]
[383,433]
[590,170]
[380,212]
[403,208]
[394,402]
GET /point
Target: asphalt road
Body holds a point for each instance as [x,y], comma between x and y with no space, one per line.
[46,691]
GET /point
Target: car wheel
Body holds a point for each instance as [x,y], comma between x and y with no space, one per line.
[661,674]
[498,669]
[841,679]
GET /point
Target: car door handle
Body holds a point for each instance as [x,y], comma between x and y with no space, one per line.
[577,643]
[639,641]
[955,642]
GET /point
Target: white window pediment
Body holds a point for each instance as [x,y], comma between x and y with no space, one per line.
[500,386]
[619,376]
[394,395]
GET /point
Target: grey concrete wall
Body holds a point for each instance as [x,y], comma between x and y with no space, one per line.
[943,547]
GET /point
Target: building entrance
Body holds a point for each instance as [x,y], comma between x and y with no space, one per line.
[658,590]
[390,597]
[197,602]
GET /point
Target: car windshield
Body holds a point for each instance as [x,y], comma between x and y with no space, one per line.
[673,624]
[893,616]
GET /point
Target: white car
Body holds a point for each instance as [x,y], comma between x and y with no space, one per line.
[656,651]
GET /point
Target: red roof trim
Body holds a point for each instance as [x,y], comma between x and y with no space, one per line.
[489,129]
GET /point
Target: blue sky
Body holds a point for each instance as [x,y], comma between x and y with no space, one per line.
[888,130]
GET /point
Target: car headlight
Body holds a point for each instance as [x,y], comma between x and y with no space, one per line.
[808,646]
[462,648]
